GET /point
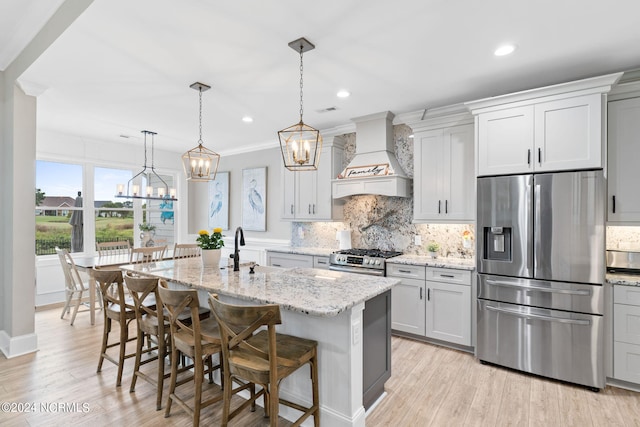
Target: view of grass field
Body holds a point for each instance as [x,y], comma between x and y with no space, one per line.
[54,231]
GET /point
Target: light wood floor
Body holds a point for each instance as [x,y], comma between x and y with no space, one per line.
[430,386]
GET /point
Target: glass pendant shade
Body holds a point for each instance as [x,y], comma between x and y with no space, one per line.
[301,146]
[200,164]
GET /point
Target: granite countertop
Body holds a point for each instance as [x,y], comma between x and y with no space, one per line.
[623,279]
[458,263]
[310,291]
[303,250]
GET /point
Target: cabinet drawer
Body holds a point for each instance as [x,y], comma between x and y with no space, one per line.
[289,260]
[404,270]
[626,323]
[626,362]
[321,262]
[626,295]
[449,275]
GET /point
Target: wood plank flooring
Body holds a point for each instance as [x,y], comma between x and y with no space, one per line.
[430,386]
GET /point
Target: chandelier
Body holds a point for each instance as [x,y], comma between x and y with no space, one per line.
[163,192]
[301,145]
[200,164]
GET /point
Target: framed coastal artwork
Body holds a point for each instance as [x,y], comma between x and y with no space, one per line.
[219,201]
[254,199]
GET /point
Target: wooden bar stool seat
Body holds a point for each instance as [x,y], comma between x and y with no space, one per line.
[262,357]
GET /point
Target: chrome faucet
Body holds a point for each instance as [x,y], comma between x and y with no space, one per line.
[236,249]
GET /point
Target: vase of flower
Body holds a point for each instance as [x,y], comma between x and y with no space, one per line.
[147,233]
[210,258]
[211,245]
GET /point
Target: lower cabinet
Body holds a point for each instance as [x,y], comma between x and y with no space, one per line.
[626,333]
[432,302]
[286,260]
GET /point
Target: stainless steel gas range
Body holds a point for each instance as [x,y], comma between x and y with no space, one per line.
[362,261]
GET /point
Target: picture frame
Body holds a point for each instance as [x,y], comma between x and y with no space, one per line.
[254,199]
[218,215]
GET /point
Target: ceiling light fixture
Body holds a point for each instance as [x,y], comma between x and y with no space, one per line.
[300,144]
[343,94]
[133,190]
[247,119]
[504,50]
[200,164]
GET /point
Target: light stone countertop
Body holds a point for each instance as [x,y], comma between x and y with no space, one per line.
[310,291]
[623,279]
[302,250]
[458,263]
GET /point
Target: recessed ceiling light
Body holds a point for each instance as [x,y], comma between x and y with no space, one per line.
[343,94]
[504,50]
[247,119]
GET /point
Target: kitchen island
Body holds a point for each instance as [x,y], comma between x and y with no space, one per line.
[325,306]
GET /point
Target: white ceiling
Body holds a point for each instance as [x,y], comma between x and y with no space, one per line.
[124,65]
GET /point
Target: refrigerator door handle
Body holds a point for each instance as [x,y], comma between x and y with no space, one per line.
[538,288]
[538,316]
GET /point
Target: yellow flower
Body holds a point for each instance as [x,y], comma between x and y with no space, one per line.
[217,230]
[203,232]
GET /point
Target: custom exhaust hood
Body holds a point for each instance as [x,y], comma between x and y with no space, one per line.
[374,168]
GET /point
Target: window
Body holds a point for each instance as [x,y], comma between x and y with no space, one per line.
[58,207]
[160,212]
[114,217]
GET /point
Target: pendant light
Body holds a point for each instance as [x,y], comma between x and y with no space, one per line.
[163,192]
[200,164]
[300,144]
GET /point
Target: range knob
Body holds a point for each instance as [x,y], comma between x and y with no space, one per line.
[377,262]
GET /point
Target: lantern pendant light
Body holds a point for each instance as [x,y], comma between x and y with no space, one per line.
[200,164]
[301,145]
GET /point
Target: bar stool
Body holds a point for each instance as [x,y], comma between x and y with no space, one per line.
[198,340]
[116,308]
[263,358]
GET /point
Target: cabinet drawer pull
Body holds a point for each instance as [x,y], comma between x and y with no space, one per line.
[276,265]
[614,204]
[322,262]
[404,271]
[450,276]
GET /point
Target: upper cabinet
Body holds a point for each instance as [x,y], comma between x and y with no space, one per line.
[624,151]
[548,129]
[444,175]
[307,194]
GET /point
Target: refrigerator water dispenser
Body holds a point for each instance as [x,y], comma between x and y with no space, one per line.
[497,242]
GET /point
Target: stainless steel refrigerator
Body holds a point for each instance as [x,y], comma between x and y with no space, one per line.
[541,266]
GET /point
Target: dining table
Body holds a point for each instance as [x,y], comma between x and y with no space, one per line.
[86,263]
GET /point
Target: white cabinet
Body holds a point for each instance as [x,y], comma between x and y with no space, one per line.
[626,333]
[408,298]
[545,129]
[285,260]
[624,152]
[434,303]
[444,175]
[449,305]
[562,134]
[307,194]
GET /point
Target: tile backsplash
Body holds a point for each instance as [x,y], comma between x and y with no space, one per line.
[626,238]
[382,222]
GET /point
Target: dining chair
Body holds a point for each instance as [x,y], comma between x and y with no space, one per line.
[147,254]
[264,357]
[74,285]
[198,341]
[113,248]
[116,308]
[186,250]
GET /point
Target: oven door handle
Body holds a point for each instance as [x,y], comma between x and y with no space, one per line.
[538,288]
[357,270]
[538,316]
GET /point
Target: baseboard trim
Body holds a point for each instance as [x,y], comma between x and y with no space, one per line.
[18,346]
